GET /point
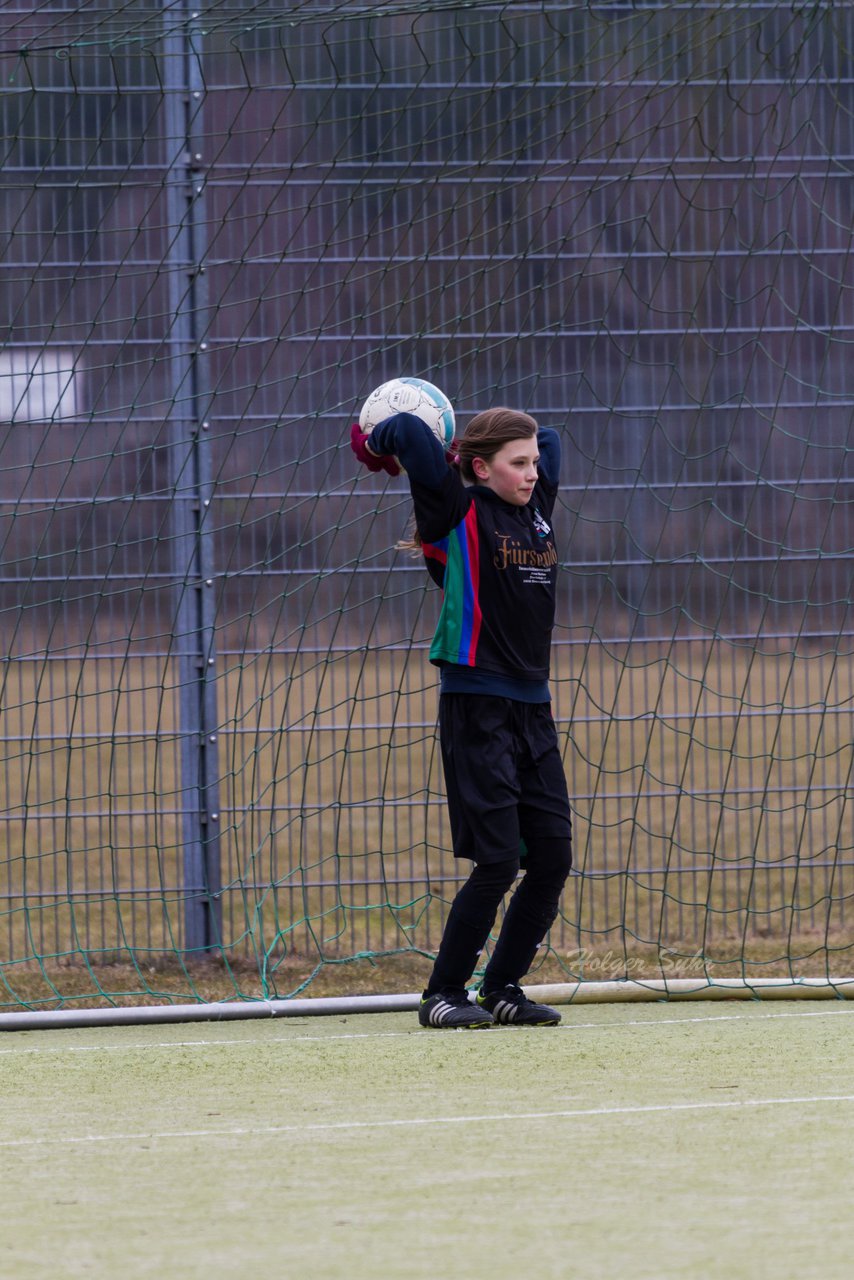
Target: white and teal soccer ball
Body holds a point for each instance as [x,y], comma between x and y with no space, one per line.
[410,395]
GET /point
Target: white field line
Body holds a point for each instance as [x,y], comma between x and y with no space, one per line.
[662,1108]
[285,1040]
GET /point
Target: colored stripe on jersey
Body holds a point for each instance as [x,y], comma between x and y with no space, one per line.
[458,630]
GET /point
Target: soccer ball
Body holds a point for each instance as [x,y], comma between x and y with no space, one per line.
[410,395]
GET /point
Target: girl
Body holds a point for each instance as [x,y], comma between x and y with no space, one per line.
[488,545]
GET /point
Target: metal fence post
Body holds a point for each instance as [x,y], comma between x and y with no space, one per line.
[193,638]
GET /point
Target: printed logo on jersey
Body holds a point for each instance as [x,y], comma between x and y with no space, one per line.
[508,551]
[542,527]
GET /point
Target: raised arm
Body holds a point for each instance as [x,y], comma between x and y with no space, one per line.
[411,441]
[440,498]
[548,443]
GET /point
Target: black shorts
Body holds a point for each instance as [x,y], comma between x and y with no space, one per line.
[503,773]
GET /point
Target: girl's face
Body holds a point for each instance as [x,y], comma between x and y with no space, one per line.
[511,472]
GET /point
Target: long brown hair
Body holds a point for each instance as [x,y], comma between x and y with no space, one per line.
[487,432]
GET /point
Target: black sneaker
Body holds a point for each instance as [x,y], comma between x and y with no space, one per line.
[511,1007]
[451,1010]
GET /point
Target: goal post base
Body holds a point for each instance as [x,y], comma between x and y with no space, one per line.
[631,991]
[638,990]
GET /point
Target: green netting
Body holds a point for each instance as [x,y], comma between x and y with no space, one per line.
[222,225]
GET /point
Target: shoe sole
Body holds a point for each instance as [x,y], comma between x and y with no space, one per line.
[524,1022]
[528,1026]
[458,1026]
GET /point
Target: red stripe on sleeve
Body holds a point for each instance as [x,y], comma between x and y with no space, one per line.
[473,547]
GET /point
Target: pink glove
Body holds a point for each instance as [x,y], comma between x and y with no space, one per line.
[359,445]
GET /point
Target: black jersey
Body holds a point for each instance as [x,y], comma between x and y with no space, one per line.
[495,562]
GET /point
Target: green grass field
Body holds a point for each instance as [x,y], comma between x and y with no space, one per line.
[656,1141]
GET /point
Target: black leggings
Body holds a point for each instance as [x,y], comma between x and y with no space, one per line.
[530,914]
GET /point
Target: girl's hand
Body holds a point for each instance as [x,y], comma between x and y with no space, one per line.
[359,445]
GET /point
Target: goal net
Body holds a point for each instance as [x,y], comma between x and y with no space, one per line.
[222,225]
